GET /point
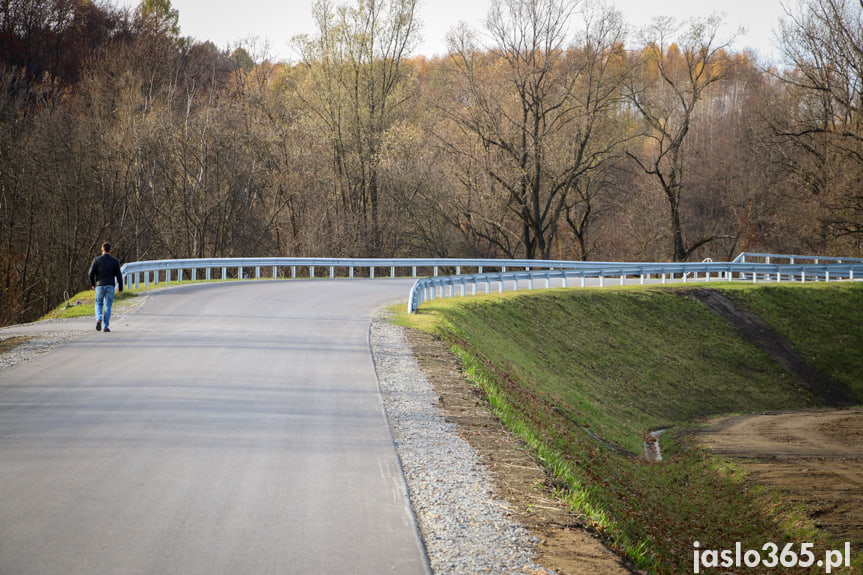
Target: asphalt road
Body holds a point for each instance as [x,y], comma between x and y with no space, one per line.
[221,429]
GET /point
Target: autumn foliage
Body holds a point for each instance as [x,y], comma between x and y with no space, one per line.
[559,136]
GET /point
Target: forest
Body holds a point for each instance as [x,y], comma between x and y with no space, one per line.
[558,131]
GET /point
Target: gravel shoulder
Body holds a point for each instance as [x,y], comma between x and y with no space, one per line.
[482,502]
[22,342]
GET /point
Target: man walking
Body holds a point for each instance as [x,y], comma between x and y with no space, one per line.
[104,270]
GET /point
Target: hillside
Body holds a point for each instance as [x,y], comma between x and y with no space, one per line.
[584,375]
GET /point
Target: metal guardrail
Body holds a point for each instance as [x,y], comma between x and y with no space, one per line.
[428,288]
[242,268]
[745,257]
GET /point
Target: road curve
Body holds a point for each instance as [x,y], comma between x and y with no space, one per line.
[221,429]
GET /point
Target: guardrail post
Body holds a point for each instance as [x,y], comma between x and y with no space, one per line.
[393,271]
[622,279]
[564,278]
[602,280]
[435,271]
[827,275]
[500,282]
[530,282]
[414,271]
[224,274]
[311,272]
[332,272]
[275,272]
[240,273]
[257,272]
[803,276]
[664,279]
[372,272]
[458,270]
[293,272]
[351,272]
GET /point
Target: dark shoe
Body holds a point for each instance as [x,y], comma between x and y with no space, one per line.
[99,325]
[106,330]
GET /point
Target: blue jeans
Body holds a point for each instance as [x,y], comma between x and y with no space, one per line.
[104,301]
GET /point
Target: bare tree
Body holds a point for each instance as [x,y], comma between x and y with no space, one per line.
[539,114]
[357,84]
[669,82]
[821,127]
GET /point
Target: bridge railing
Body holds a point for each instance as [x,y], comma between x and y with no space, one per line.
[507,273]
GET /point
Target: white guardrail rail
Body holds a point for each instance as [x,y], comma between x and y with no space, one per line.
[747,266]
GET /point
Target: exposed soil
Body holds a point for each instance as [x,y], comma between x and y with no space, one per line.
[816,456]
[566,545]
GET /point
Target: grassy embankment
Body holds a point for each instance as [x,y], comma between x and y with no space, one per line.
[582,375]
[88,305]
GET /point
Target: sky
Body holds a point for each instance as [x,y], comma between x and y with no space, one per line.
[227,22]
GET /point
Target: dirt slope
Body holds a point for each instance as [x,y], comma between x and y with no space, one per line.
[817,456]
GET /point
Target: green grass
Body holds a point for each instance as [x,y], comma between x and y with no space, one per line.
[87,308]
[581,375]
[823,322]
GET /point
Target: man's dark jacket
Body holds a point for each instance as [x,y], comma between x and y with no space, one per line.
[104,270]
